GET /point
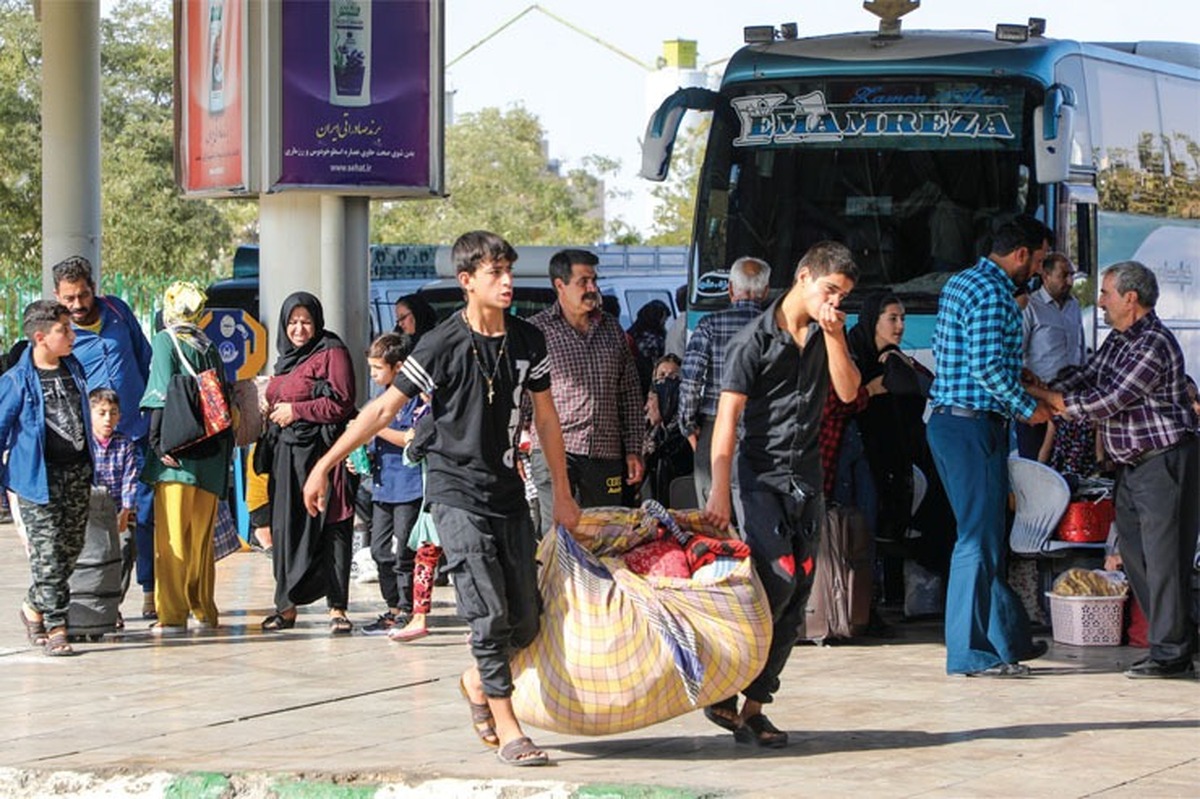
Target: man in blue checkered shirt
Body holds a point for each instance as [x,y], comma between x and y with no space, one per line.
[704,362]
[977,349]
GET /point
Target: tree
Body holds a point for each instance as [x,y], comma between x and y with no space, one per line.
[151,234]
[499,180]
[150,229]
[20,144]
[676,196]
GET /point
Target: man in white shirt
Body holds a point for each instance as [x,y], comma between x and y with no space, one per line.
[1053,336]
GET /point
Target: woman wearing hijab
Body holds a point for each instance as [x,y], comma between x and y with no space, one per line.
[310,398]
[414,316]
[649,335]
[893,433]
[186,486]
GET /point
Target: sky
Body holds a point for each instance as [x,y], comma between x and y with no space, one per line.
[592,101]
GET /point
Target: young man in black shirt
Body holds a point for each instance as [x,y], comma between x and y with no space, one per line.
[475,366]
[778,371]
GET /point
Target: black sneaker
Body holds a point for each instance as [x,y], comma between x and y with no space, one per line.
[385,622]
[1150,669]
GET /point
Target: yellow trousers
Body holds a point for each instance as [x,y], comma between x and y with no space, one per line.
[184,570]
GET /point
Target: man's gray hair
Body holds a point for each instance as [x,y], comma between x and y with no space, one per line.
[1136,277]
[749,277]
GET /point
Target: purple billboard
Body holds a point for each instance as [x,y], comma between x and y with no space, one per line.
[359,105]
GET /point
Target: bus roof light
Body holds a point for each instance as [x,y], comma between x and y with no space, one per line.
[1012,33]
[1037,27]
[757,34]
[789,30]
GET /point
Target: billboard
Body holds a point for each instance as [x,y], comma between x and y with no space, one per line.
[359,105]
[211,144]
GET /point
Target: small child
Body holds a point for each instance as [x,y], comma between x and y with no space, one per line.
[114,455]
[116,471]
[45,421]
[396,491]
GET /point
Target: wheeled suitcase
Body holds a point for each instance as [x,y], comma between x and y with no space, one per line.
[96,582]
[840,603]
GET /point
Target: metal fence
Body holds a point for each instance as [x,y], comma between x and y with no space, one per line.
[142,292]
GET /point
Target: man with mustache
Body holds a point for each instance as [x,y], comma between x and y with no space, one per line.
[1135,389]
[595,388]
[115,353]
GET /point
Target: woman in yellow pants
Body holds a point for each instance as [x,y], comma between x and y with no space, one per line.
[186,484]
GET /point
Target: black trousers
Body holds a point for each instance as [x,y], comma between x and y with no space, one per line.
[1156,528]
[491,561]
[391,524]
[783,532]
[595,483]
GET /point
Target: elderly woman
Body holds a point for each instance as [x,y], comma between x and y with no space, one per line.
[188,484]
[310,398]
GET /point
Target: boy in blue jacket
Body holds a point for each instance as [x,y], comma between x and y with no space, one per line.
[45,425]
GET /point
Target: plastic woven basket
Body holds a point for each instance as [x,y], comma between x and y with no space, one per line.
[1087,620]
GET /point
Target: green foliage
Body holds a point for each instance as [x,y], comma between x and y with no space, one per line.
[149,228]
[20,142]
[499,180]
[1138,183]
[151,234]
[676,196]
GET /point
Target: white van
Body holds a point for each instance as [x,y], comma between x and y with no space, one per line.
[630,276]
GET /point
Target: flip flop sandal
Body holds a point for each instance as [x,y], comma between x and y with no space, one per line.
[277,621]
[759,730]
[35,631]
[522,752]
[726,722]
[57,645]
[340,625]
[481,719]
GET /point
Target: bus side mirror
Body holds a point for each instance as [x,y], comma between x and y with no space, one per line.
[663,126]
[1053,131]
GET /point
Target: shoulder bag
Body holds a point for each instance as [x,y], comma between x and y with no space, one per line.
[195,409]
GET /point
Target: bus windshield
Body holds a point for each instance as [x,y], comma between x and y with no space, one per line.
[909,174]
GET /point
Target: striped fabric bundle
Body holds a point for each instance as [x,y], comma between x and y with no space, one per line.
[618,651]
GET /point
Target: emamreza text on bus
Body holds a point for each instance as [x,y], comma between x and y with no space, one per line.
[909,146]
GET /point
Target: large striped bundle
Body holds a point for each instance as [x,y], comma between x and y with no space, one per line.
[618,651]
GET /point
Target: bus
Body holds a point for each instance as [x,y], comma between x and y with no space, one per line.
[909,146]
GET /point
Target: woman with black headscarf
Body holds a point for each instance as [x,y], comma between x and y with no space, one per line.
[893,433]
[414,316]
[310,397]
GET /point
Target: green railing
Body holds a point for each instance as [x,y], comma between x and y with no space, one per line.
[143,293]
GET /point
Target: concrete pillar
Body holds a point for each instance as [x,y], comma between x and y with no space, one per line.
[70,134]
[345,276]
[289,253]
[317,243]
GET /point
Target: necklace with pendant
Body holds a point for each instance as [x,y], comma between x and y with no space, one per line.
[489,379]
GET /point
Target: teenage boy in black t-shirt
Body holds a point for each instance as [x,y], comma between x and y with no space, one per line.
[475,365]
[778,371]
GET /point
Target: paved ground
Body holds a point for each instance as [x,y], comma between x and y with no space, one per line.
[239,712]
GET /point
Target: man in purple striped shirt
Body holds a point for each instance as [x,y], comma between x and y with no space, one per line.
[1136,389]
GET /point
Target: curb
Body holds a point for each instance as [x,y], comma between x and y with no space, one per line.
[32,784]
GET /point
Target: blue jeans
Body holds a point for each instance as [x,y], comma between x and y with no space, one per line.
[985,622]
[143,530]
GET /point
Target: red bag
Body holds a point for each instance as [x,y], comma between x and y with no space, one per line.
[1137,628]
[1087,521]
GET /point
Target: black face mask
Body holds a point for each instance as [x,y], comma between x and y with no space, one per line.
[667,390]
